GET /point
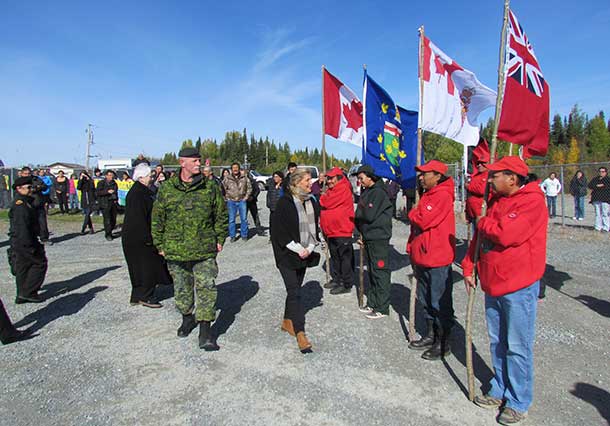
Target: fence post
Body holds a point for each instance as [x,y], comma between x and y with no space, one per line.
[563,215]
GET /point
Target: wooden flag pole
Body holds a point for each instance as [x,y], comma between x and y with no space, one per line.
[360,241]
[326,251]
[492,155]
[413,295]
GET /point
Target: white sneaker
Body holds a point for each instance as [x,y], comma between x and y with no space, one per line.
[365,309]
[375,315]
[581,218]
[574,218]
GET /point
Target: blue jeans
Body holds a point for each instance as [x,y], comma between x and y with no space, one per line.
[579,207]
[551,203]
[511,323]
[73,200]
[602,216]
[234,207]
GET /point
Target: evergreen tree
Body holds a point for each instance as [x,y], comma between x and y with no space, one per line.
[557,135]
[598,139]
[198,144]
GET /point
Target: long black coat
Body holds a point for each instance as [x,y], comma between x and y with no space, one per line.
[286,229]
[87,189]
[146,266]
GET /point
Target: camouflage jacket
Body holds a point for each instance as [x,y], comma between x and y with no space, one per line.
[189,219]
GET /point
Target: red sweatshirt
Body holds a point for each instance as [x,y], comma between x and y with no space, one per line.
[432,240]
[337,215]
[513,242]
[476,192]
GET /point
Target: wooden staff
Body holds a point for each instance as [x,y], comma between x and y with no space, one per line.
[413,295]
[326,251]
[361,278]
[492,155]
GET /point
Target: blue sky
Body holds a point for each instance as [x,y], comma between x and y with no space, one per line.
[151,74]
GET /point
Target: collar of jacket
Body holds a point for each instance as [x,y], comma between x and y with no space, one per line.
[198,181]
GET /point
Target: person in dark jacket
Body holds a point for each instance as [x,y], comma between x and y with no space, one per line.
[146,266]
[252,204]
[274,193]
[600,198]
[8,333]
[294,235]
[107,194]
[431,248]
[578,189]
[39,202]
[292,166]
[87,200]
[393,190]
[62,190]
[27,256]
[374,222]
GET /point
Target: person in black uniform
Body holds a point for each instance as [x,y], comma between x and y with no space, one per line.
[107,194]
[8,332]
[87,200]
[28,260]
[146,266]
[374,222]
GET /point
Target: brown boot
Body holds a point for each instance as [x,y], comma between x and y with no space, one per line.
[304,344]
[287,327]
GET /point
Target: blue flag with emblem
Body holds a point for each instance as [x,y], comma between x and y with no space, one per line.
[390,136]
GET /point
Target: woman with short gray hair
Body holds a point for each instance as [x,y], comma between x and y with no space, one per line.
[146,266]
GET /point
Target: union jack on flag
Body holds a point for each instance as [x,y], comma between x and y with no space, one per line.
[522,64]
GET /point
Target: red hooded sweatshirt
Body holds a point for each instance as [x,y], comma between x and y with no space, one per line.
[513,245]
[476,193]
[337,215]
[432,240]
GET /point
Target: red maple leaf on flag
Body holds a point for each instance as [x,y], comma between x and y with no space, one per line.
[353,114]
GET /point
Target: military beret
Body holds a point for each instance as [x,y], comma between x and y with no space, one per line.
[20,181]
[189,152]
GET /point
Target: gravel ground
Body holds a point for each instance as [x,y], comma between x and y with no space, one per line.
[99,361]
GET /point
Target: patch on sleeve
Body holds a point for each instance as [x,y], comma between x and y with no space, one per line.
[18,202]
[512,215]
[429,207]
[370,205]
[380,263]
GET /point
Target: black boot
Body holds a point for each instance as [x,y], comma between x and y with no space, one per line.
[426,341]
[440,349]
[188,325]
[207,341]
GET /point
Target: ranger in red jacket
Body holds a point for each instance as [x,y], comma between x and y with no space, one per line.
[512,259]
[478,181]
[337,223]
[431,247]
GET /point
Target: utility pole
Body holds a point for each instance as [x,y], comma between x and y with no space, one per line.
[88,155]
[266,155]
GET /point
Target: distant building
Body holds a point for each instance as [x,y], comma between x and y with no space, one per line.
[68,168]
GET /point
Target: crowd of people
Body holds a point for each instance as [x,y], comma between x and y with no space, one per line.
[175,226]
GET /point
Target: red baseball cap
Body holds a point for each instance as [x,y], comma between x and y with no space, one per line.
[433,166]
[512,163]
[335,171]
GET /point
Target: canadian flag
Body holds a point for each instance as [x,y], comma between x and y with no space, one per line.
[452,97]
[342,111]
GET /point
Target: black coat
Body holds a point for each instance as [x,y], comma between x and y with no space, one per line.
[138,209]
[286,229]
[578,187]
[106,199]
[23,231]
[87,192]
[273,196]
[600,193]
[374,213]
[146,267]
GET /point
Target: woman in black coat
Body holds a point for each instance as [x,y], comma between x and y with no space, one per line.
[294,235]
[146,266]
[274,193]
[87,200]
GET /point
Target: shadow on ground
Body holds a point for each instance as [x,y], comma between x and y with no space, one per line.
[63,307]
[232,295]
[597,397]
[61,287]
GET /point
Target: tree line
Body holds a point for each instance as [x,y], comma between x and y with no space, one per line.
[574,138]
[262,154]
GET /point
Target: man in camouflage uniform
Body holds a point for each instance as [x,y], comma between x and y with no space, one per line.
[189,227]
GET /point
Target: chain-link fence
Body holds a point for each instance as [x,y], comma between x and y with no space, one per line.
[577,194]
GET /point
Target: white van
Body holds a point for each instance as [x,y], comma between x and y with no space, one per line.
[114,164]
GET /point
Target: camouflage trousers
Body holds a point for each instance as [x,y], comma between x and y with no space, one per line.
[194,287]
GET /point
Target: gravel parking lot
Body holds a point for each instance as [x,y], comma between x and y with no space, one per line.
[96,360]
